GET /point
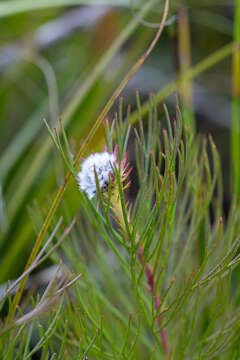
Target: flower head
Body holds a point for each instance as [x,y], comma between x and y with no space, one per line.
[101,165]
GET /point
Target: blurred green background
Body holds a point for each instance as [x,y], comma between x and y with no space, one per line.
[65,58]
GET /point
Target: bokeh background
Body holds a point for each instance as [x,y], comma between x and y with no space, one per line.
[65,58]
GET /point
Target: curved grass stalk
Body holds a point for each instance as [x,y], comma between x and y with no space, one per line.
[188,75]
[79,154]
[235,128]
[34,169]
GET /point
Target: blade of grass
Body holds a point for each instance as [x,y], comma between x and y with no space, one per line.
[99,120]
[185,64]
[19,6]
[190,74]
[235,128]
[41,155]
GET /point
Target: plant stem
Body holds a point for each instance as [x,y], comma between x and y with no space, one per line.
[235,128]
[96,125]
[188,75]
[149,276]
[184,53]
[152,284]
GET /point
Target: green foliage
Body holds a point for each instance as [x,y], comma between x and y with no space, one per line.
[235,129]
[34,166]
[152,275]
[176,220]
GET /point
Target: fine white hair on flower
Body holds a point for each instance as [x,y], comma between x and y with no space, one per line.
[103,164]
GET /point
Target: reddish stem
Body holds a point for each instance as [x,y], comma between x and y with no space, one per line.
[151,283]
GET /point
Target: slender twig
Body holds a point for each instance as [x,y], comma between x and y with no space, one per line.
[152,284]
[80,152]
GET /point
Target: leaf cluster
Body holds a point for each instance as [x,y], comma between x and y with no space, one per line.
[176,221]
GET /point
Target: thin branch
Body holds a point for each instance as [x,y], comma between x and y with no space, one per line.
[82,149]
[152,284]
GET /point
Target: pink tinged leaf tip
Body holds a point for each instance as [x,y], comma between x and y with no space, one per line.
[104,148]
[128,172]
[116,150]
[123,163]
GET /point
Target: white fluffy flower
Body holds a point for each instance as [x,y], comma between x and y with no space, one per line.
[103,164]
